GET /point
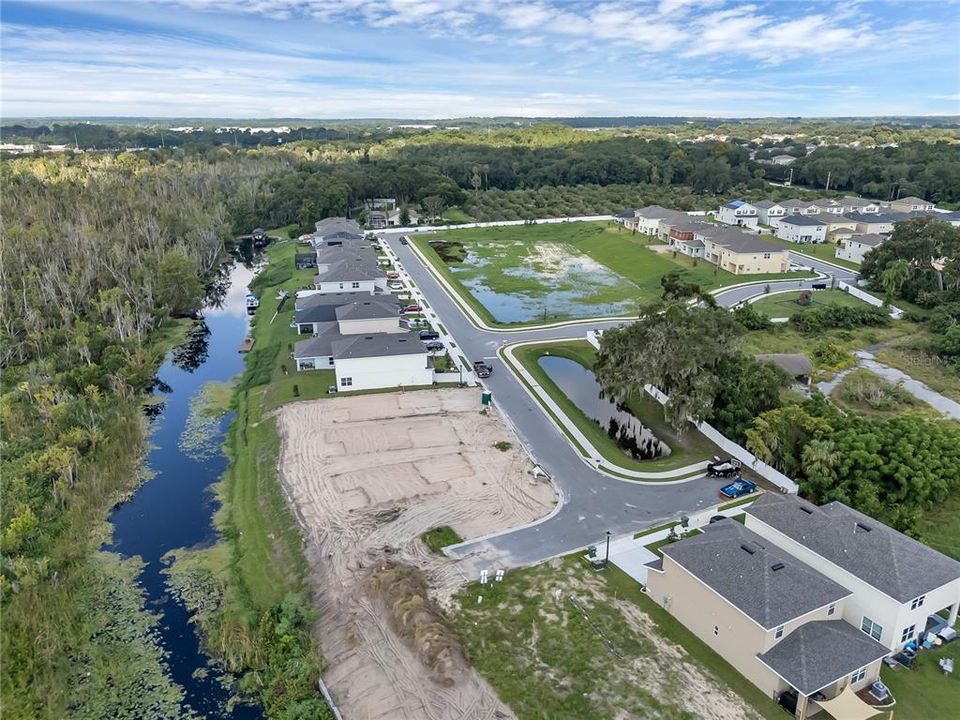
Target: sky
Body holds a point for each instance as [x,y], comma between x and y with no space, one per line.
[454,58]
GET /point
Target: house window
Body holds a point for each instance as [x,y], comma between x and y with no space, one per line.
[716,629]
[766,256]
[908,634]
[871,628]
[355,286]
[917,602]
[858,675]
[330,360]
[341,286]
[779,633]
[346,381]
[832,609]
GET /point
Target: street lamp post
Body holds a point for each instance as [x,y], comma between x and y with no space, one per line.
[606,560]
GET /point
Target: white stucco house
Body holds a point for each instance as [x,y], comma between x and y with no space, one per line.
[855,247]
[895,582]
[650,220]
[802,229]
[738,212]
[768,212]
[366,362]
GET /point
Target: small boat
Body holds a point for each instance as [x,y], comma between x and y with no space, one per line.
[253,302]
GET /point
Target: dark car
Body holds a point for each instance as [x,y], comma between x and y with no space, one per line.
[412,309]
[738,488]
[717,518]
[403,239]
[434,346]
[482,369]
[723,469]
[429,335]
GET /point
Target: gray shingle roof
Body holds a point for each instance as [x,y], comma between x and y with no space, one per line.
[741,242]
[691,225]
[657,211]
[739,565]
[320,346]
[821,652]
[890,561]
[335,225]
[377,345]
[805,220]
[887,217]
[350,270]
[871,239]
[367,310]
[802,204]
[764,204]
[795,364]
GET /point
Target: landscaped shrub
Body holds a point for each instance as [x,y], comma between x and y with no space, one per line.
[839,316]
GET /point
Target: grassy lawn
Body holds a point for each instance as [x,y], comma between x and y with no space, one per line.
[688,448]
[821,251]
[785,339]
[456,215]
[873,396]
[513,265]
[529,638]
[940,527]
[906,354]
[785,304]
[923,692]
[440,537]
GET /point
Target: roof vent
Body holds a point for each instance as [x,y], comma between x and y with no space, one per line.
[860,527]
[808,511]
[748,548]
[777,566]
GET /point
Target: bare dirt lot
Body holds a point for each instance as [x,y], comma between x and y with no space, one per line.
[367,475]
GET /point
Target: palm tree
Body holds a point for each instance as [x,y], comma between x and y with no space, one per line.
[894,276]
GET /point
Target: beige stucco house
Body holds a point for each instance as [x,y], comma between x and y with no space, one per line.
[777,620]
[741,253]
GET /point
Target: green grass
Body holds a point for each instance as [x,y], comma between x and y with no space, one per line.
[456,215]
[923,692]
[820,251]
[907,355]
[873,396]
[656,547]
[546,661]
[738,502]
[283,233]
[624,253]
[438,538]
[687,449]
[785,304]
[785,339]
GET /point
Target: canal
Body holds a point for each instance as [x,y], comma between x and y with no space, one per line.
[174,508]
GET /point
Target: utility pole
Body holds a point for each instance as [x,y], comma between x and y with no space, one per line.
[163,144]
[606,560]
[826,189]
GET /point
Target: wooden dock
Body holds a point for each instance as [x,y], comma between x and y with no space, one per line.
[246,345]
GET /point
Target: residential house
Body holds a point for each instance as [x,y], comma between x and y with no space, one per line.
[783,159]
[911,204]
[741,253]
[681,236]
[895,581]
[648,219]
[802,229]
[365,362]
[855,247]
[797,207]
[737,212]
[336,230]
[828,205]
[949,217]
[776,619]
[835,224]
[877,223]
[856,204]
[387,204]
[351,276]
[768,212]
[377,219]
[621,218]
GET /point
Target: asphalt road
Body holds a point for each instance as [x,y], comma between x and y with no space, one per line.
[591,502]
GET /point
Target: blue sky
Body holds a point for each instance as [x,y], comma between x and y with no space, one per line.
[450,58]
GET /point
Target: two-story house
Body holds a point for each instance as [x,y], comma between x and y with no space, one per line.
[741,253]
[768,212]
[798,207]
[776,619]
[647,220]
[802,229]
[895,582]
[912,204]
[681,236]
[857,204]
[855,247]
[738,212]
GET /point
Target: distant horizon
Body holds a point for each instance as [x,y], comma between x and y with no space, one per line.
[441,59]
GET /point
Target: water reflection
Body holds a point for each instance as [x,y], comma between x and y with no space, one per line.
[581,386]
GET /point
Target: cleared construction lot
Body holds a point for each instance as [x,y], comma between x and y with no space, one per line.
[367,475]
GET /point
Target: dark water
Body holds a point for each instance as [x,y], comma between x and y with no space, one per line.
[174,508]
[580,385]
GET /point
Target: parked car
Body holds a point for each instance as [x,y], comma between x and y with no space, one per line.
[412,309]
[723,469]
[392,275]
[434,346]
[429,335]
[395,285]
[738,488]
[482,369]
[717,518]
[403,239]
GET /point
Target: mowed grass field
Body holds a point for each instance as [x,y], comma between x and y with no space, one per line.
[503,250]
[785,304]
